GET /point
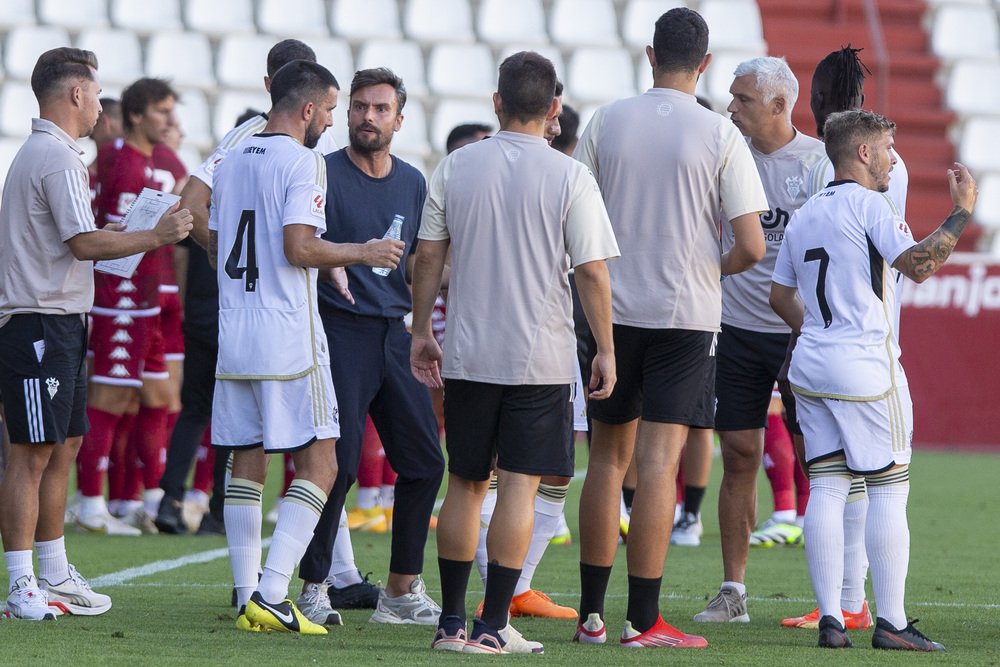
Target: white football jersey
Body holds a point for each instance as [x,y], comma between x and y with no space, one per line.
[269,326]
[838,252]
[899,180]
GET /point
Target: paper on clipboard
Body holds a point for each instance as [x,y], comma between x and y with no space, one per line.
[142,215]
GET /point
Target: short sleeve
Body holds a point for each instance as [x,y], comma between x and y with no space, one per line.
[888,232]
[589,235]
[784,272]
[433,223]
[206,171]
[305,193]
[740,187]
[68,196]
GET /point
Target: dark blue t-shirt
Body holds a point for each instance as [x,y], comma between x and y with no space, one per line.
[360,208]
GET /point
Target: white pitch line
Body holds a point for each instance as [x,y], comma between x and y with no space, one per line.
[124,576]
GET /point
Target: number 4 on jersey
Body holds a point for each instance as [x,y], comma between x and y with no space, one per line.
[249,272]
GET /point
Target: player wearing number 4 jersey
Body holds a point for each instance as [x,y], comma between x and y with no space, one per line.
[273,391]
[834,284]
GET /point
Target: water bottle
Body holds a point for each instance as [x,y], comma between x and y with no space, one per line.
[395,231]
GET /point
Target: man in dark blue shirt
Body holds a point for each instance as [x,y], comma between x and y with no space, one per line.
[369,347]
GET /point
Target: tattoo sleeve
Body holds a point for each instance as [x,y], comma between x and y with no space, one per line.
[213,247]
[924,259]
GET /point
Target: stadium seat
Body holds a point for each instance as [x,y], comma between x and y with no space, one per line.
[548,50]
[584,23]
[719,77]
[242,61]
[17,107]
[502,21]
[231,105]
[292,18]
[461,70]
[974,87]
[644,75]
[979,148]
[139,17]
[438,20]
[988,204]
[184,57]
[8,149]
[24,44]
[335,55]
[733,24]
[190,157]
[365,19]
[216,18]
[404,58]
[600,75]
[412,136]
[640,17]
[17,12]
[964,31]
[118,54]
[74,14]
[456,112]
[192,114]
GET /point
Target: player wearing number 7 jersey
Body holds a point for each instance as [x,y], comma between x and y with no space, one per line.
[273,388]
[834,284]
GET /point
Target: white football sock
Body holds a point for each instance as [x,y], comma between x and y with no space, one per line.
[783,516]
[824,535]
[388,493]
[151,500]
[740,587]
[852,598]
[53,565]
[888,540]
[18,565]
[343,571]
[547,513]
[485,516]
[368,497]
[243,518]
[92,507]
[296,524]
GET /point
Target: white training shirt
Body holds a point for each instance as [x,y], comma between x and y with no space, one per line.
[838,252]
[269,326]
[669,169]
[514,210]
[784,173]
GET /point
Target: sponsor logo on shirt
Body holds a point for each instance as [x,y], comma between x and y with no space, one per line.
[210,167]
[125,303]
[125,286]
[118,371]
[903,228]
[318,206]
[121,336]
[123,320]
[120,354]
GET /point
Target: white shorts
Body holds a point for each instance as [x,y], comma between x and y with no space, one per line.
[874,435]
[579,403]
[280,415]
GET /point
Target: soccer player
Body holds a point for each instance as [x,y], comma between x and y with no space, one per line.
[753,340]
[834,284]
[109,127]
[468,133]
[48,240]
[838,85]
[273,391]
[666,188]
[126,340]
[369,191]
[569,125]
[510,209]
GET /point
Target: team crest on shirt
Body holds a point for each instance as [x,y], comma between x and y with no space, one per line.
[794,185]
[53,386]
[665,109]
[512,154]
[318,206]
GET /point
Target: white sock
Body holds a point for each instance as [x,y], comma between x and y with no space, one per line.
[243,518]
[888,540]
[151,500]
[388,493]
[740,588]
[783,516]
[485,516]
[368,497]
[800,520]
[343,571]
[92,506]
[852,598]
[18,565]
[296,524]
[53,565]
[547,513]
[824,534]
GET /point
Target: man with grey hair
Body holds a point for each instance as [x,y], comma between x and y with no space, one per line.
[753,340]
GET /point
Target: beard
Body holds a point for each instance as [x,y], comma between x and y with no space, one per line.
[313,132]
[881,181]
[365,145]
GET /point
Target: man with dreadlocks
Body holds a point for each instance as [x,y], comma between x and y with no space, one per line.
[838,85]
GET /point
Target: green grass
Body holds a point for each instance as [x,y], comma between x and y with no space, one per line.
[182,616]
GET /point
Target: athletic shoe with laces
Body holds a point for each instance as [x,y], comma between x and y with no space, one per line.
[771,533]
[138,518]
[562,536]
[362,595]
[210,526]
[75,596]
[591,631]
[661,635]
[243,623]
[832,634]
[413,608]
[193,508]
[283,617]
[369,520]
[859,621]
[536,603]
[314,603]
[28,602]
[687,530]
[726,607]
[450,635]
[169,519]
[485,639]
[106,524]
[907,639]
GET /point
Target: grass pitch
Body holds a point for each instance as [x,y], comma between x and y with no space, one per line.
[171,614]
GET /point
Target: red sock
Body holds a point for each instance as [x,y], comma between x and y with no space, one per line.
[779,463]
[289,474]
[205,463]
[92,461]
[372,458]
[388,474]
[150,444]
[132,488]
[117,462]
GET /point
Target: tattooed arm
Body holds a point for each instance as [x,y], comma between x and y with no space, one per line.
[213,248]
[924,259]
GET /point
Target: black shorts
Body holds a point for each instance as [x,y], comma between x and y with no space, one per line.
[664,375]
[43,377]
[526,427]
[748,364]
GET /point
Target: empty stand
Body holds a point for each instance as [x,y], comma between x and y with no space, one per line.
[231,106]
[17,107]
[192,113]
[292,18]
[8,149]
[733,24]
[974,87]
[599,74]
[184,57]
[364,19]
[25,43]
[242,61]
[215,18]
[584,23]
[549,51]
[464,70]
[438,20]
[979,149]
[335,55]
[640,17]
[142,18]
[961,31]
[504,21]
[456,112]
[988,204]
[404,58]
[412,135]
[118,54]
[16,12]
[73,14]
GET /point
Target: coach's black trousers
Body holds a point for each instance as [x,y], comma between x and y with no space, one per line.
[370,365]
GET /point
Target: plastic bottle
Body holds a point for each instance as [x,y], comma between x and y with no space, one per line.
[395,231]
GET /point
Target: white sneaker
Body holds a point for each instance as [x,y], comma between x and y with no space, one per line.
[413,608]
[687,531]
[514,641]
[74,596]
[106,524]
[72,509]
[272,516]
[195,506]
[28,602]
[138,518]
[314,604]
